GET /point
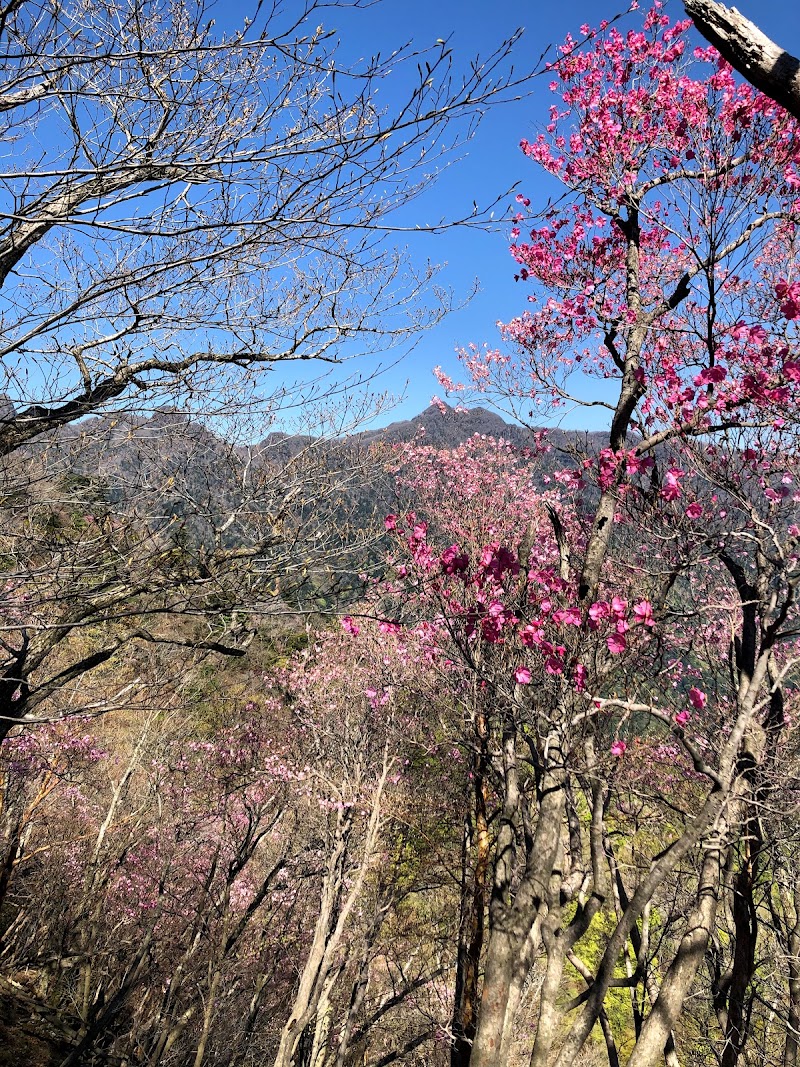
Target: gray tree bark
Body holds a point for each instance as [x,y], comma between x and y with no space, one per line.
[763,63]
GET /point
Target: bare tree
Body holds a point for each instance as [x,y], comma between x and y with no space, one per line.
[181,209]
[180,206]
[159,533]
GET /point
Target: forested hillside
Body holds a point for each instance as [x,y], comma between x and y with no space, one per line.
[466,741]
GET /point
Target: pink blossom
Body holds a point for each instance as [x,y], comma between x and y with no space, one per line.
[487,555]
[616,644]
[671,489]
[453,561]
[635,464]
[619,606]
[506,561]
[711,375]
[789,297]
[697,698]
[444,380]
[694,511]
[350,627]
[532,634]
[618,748]
[682,718]
[523,676]
[644,613]
[390,522]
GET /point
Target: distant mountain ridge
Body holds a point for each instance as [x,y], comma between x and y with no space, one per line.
[140,457]
[289,503]
[445,427]
[115,439]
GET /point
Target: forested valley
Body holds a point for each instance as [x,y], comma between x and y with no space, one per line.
[470,741]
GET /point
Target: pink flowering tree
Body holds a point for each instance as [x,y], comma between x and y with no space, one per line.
[481,497]
[649,622]
[358,737]
[514,653]
[239,884]
[170,854]
[650,686]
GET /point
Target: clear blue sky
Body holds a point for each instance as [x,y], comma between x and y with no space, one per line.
[492,161]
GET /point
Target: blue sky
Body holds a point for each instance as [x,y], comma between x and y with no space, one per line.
[491,162]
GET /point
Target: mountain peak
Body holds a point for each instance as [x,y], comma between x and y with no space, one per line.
[445,426]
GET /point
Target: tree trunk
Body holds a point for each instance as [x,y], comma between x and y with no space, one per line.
[658,1026]
[792,1045]
[550,1016]
[515,925]
[330,926]
[473,905]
